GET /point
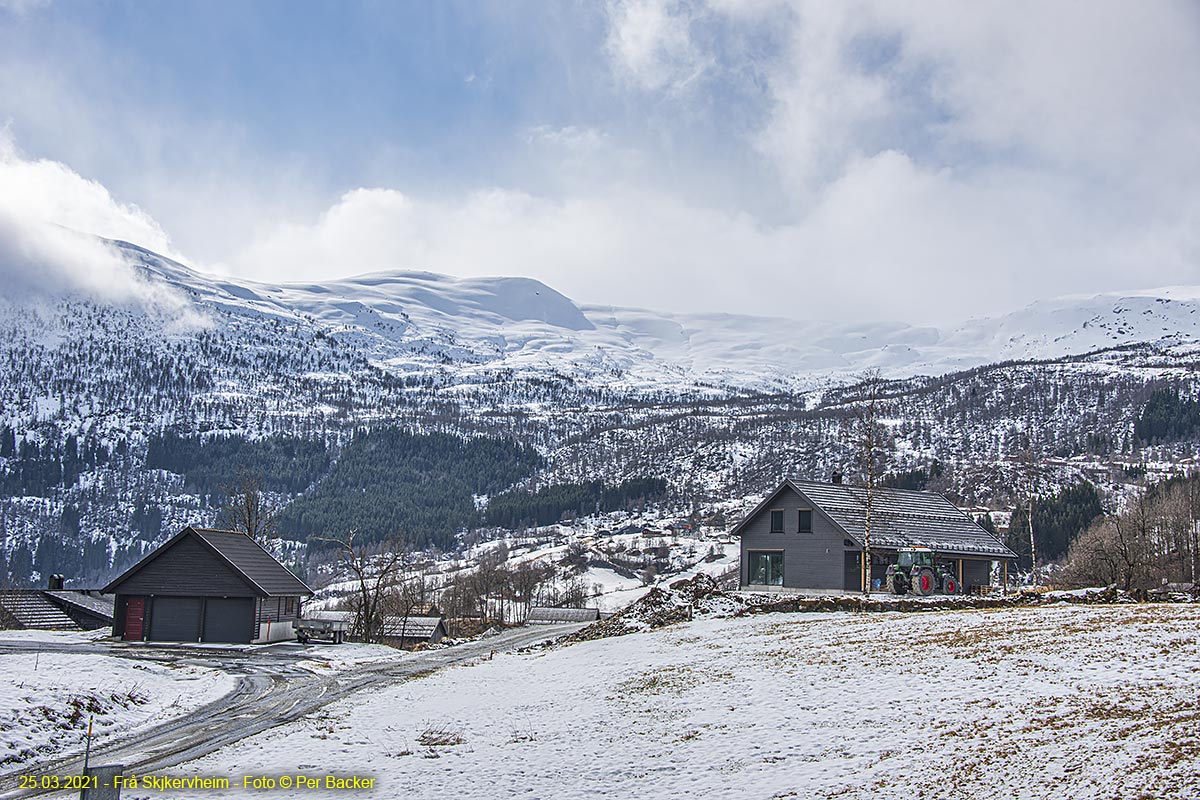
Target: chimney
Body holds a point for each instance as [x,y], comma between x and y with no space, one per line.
[55,583]
[836,477]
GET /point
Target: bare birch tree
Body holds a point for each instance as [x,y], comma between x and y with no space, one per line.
[871,445]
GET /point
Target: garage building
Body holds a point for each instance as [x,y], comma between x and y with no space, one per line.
[207,586]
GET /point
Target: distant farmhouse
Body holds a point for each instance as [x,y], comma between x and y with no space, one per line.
[810,535]
[207,586]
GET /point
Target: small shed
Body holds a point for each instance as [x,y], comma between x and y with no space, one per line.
[544,615]
[207,585]
[407,631]
[396,630]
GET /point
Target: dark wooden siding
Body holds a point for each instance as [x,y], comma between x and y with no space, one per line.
[813,560]
[186,568]
[275,609]
[976,573]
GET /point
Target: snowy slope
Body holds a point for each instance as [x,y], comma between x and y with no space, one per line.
[1056,702]
[406,319]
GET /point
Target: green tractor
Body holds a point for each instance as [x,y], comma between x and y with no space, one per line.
[916,571]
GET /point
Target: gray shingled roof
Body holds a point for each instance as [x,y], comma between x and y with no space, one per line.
[545,614]
[99,606]
[257,565]
[411,628]
[902,518]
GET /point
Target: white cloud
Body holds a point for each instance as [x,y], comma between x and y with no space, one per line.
[651,44]
[972,156]
[50,222]
[841,160]
[52,192]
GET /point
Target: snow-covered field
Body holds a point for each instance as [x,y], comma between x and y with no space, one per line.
[46,699]
[1050,702]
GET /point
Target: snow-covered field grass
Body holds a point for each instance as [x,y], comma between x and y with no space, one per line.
[1049,702]
[47,698]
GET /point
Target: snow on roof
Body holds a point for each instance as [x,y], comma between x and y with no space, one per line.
[395,626]
[411,627]
[543,614]
[96,605]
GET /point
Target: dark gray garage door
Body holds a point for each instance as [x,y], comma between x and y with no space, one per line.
[229,619]
[175,619]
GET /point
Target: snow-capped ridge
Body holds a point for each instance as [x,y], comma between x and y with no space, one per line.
[401,317]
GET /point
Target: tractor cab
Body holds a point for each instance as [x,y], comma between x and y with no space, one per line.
[910,557]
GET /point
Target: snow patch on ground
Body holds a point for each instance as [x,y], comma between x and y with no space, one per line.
[47,698]
[1044,702]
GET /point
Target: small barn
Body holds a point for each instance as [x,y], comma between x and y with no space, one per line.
[409,631]
[544,615]
[207,586]
[811,535]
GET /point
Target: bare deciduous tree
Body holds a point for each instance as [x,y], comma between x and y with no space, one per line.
[1029,460]
[248,509]
[1133,549]
[376,571]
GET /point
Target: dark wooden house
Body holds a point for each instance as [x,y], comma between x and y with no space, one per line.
[811,535]
[207,586]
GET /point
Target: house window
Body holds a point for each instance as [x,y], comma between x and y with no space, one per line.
[288,606]
[766,569]
[806,520]
[777,520]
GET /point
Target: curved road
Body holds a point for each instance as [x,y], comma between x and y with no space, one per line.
[272,689]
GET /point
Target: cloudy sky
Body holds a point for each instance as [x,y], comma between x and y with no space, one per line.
[844,160]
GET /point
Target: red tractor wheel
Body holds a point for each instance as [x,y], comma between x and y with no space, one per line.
[951,586]
[924,582]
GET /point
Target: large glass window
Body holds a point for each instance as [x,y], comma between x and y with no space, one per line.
[777,520]
[806,520]
[765,569]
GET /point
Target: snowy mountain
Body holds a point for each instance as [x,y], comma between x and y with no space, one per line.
[403,318]
[122,422]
